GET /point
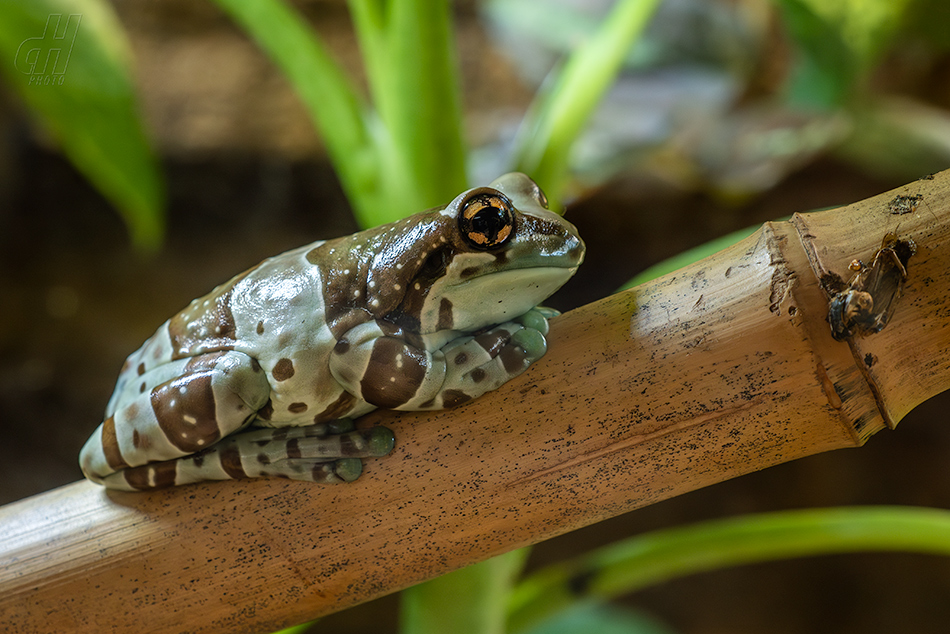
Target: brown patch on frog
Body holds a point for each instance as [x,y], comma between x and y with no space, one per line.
[477,375]
[293,449]
[493,342]
[283,369]
[460,358]
[185,410]
[297,408]
[339,408]
[513,358]
[267,411]
[110,446]
[156,475]
[454,398]
[342,347]
[231,462]
[262,458]
[445,315]
[136,439]
[204,361]
[260,328]
[140,369]
[207,325]
[385,385]
[386,271]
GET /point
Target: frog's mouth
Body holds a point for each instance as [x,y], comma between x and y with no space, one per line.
[499,296]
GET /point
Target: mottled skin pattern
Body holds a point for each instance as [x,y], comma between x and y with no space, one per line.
[424,313]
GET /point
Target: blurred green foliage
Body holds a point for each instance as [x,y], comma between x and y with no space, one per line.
[70,63]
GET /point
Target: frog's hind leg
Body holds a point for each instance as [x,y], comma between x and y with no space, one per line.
[175,409]
[326,452]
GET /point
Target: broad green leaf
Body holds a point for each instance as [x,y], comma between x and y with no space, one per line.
[70,63]
[409,51]
[560,112]
[632,564]
[473,600]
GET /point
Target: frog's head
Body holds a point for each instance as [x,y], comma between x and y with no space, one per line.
[490,255]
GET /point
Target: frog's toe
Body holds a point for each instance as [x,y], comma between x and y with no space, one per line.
[380,441]
[532,342]
[537,318]
[348,469]
[339,426]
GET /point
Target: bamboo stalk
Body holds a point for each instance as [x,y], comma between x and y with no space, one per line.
[722,368]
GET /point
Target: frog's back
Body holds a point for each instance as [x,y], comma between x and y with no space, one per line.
[276,314]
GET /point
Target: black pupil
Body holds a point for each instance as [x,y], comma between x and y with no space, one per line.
[489,221]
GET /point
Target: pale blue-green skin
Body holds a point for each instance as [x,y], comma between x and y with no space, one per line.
[425,313]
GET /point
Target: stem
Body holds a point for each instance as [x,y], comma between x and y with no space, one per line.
[559,115]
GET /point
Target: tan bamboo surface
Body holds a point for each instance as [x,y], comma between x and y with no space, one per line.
[721,368]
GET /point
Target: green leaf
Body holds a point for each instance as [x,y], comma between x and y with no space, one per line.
[582,618]
[645,560]
[838,44]
[406,156]
[409,51]
[334,105]
[560,112]
[70,63]
[472,600]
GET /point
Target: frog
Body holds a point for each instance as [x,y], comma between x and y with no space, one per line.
[265,375]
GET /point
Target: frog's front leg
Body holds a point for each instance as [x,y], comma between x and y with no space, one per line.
[385,368]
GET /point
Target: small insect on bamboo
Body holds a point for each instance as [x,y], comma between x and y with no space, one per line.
[866,303]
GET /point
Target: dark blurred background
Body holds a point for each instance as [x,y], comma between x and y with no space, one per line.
[695,141]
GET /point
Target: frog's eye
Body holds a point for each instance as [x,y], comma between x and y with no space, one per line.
[486,220]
